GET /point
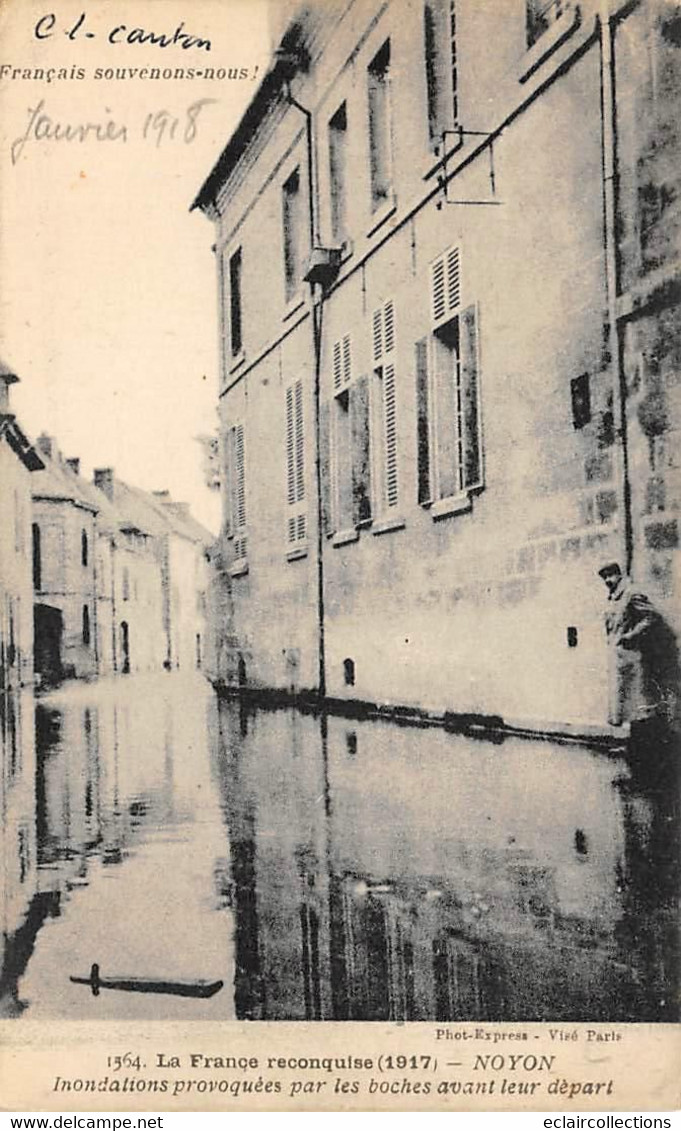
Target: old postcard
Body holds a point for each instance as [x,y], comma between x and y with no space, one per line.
[339,554]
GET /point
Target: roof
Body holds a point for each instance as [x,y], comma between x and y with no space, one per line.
[58,483]
[288,59]
[18,442]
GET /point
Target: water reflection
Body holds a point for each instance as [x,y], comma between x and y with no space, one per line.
[384,872]
[324,868]
[129,836]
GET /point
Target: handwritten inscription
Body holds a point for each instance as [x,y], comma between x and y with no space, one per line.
[156,127]
[47,27]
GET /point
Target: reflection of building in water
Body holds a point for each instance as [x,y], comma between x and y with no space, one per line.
[18,459]
[18,850]
[422,878]
[466,369]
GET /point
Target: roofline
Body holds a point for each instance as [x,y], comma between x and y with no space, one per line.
[81,504]
[288,59]
[20,444]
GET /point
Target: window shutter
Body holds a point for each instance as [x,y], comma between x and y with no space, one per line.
[361,456]
[290,449]
[239,478]
[453,280]
[342,363]
[299,444]
[390,419]
[422,423]
[325,468]
[227,473]
[472,471]
[347,359]
[437,284]
[377,337]
[445,284]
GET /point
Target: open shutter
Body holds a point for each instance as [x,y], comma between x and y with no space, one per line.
[472,472]
[361,455]
[299,443]
[424,487]
[390,421]
[445,286]
[290,449]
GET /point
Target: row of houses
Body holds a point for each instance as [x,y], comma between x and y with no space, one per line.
[95,577]
[461,397]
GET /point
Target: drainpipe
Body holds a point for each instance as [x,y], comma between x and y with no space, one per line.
[317,303]
[610,203]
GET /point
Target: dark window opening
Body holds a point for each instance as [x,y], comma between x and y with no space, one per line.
[84,548]
[37,557]
[380,127]
[235,327]
[86,625]
[581,400]
[349,672]
[338,130]
[294,234]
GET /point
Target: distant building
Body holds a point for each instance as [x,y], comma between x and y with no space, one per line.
[18,462]
[161,571]
[64,571]
[460,394]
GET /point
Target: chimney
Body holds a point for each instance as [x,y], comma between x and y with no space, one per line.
[162,495]
[7,378]
[104,480]
[74,464]
[46,445]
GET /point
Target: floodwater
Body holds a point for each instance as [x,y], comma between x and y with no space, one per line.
[324,868]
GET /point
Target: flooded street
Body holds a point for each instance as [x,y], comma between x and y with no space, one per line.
[323,867]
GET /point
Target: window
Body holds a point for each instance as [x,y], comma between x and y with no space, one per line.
[380,128]
[83,548]
[338,172]
[439,26]
[237,490]
[235,327]
[37,557]
[126,585]
[385,406]
[541,15]
[295,466]
[86,625]
[350,444]
[448,414]
[294,234]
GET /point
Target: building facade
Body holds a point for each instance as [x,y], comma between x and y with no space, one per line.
[64,571]
[18,462]
[461,396]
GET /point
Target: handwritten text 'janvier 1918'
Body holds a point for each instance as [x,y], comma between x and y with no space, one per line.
[153,127]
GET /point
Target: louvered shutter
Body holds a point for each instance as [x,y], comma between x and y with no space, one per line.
[337,366]
[295,464]
[445,286]
[290,449]
[361,455]
[472,469]
[377,335]
[424,489]
[390,422]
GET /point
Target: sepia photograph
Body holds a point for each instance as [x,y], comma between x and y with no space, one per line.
[340,409]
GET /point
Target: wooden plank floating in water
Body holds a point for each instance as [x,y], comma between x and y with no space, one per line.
[199,987]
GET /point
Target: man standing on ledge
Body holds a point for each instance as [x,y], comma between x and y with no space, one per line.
[645,665]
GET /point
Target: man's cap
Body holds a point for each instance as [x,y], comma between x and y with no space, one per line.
[608,568]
